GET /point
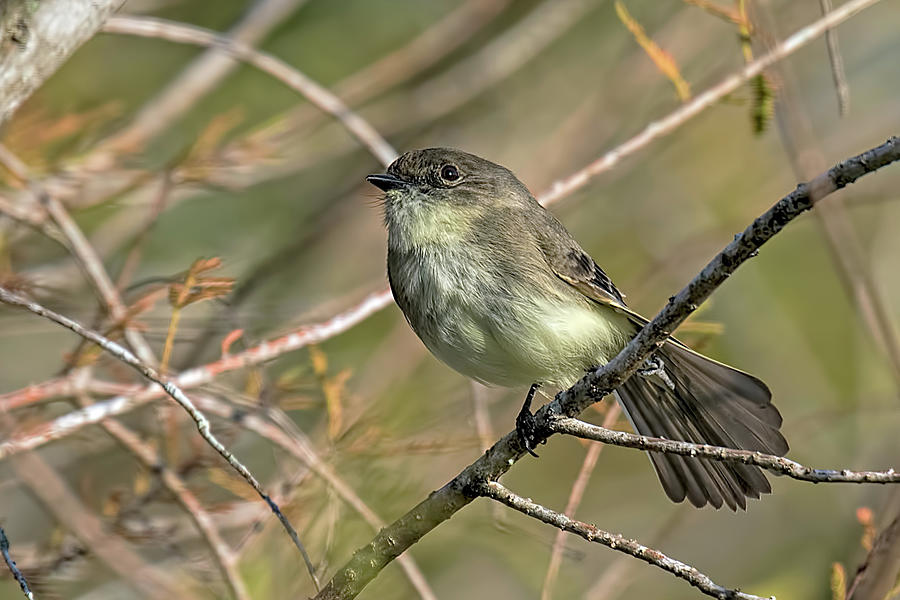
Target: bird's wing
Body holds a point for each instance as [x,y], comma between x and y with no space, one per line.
[574,266]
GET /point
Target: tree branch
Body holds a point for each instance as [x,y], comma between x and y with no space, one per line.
[368,561]
[776,464]
[498,492]
[37,37]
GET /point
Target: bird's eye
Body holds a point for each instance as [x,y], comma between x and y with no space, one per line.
[449,173]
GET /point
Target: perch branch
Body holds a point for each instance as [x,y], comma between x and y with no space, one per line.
[393,540]
[770,462]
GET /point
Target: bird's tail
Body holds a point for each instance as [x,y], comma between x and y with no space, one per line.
[702,401]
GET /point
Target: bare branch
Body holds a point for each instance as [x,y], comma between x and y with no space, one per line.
[277,68]
[498,492]
[176,394]
[776,464]
[4,549]
[837,64]
[37,37]
[391,541]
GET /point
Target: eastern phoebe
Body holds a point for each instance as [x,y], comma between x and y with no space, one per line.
[495,287]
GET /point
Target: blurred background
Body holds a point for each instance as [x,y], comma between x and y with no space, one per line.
[161,166]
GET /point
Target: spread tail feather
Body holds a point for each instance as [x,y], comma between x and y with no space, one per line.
[713,404]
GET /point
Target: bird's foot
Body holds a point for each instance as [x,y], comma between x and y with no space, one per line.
[526,425]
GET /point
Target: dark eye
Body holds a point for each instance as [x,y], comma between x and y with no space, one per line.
[449,173]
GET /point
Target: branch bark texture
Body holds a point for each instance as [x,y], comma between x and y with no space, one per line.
[390,542]
[37,37]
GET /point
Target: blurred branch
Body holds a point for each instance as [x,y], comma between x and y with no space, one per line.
[393,540]
[110,549]
[502,56]
[436,97]
[666,125]
[575,496]
[4,549]
[402,64]
[798,136]
[277,68]
[837,64]
[496,491]
[78,244]
[175,393]
[37,37]
[198,78]
[776,464]
[295,443]
[877,574]
[224,558]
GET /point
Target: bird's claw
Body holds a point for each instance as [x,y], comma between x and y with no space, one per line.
[526,425]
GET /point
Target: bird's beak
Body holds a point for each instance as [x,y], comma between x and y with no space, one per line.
[385,182]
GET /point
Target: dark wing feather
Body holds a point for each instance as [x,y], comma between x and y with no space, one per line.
[712,403]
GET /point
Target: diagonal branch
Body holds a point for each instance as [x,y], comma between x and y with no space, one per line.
[124,355]
[393,540]
[776,464]
[498,492]
[20,579]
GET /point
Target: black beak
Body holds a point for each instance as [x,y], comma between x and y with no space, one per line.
[385,182]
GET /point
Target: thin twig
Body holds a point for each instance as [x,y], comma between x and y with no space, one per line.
[575,496]
[277,68]
[837,64]
[666,125]
[776,464]
[498,492]
[124,355]
[4,549]
[394,539]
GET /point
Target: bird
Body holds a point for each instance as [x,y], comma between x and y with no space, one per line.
[497,288]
